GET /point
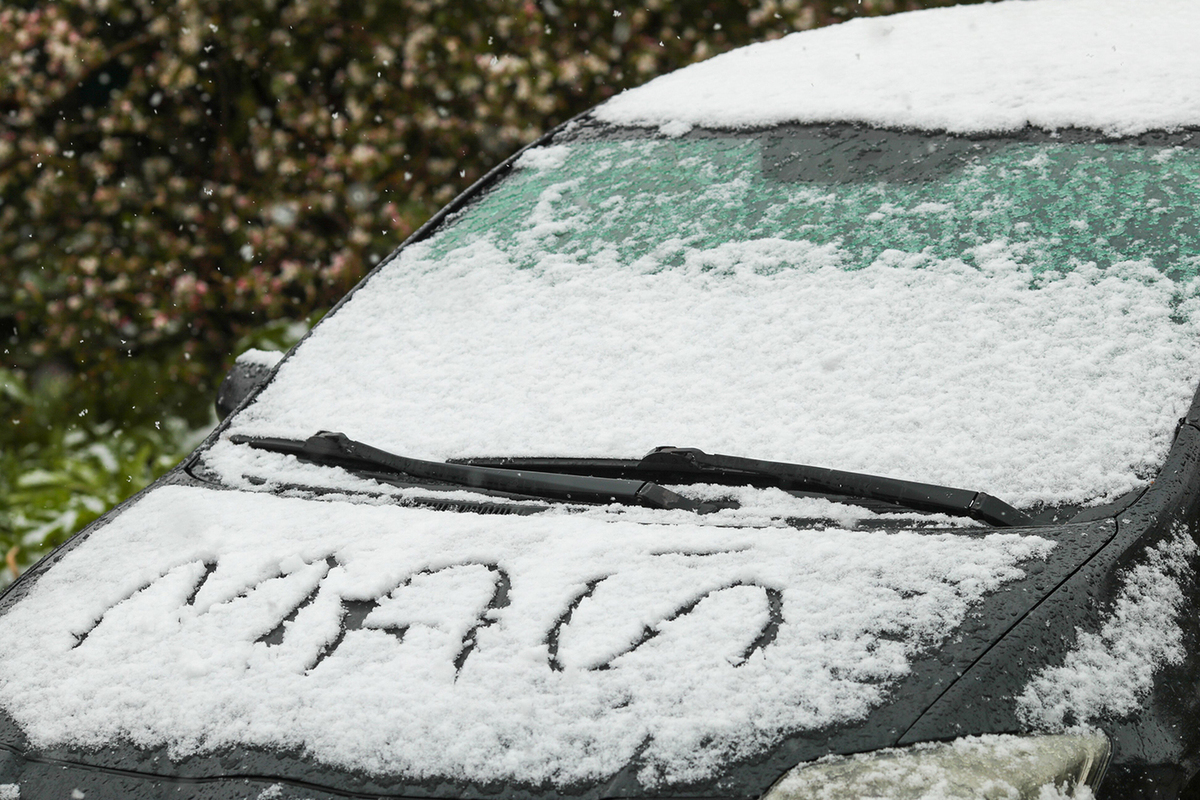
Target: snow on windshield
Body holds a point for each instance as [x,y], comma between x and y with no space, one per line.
[1019,321]
[476,647]
[1049,64]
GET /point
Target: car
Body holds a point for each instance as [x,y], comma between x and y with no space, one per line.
[819,420]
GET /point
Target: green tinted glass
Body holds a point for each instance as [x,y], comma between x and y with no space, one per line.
[647,204]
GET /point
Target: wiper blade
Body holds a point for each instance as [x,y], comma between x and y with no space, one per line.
[910,494]
[337,449]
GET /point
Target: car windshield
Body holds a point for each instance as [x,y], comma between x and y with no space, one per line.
[1010,314]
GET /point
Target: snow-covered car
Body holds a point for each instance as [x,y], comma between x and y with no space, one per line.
[527,515]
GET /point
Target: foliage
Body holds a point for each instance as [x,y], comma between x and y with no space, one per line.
[61,468]
[59,475]
[176,175]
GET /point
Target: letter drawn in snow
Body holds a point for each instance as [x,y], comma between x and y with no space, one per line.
[614,619]
[275,635]
[189,578]
[449,604]
[563,620]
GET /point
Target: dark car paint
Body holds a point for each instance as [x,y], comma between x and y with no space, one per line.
[967,687]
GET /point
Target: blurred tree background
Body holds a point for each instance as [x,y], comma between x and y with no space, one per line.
[183,179]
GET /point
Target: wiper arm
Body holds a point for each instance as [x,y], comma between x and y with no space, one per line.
[910,494]
[337,449]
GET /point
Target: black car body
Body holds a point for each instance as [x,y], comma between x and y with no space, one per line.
[440,601]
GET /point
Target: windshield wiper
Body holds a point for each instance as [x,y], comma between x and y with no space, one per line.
[910,494]
[689,465]
[559,479]
[336,449]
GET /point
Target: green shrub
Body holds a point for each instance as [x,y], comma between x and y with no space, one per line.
[58,474]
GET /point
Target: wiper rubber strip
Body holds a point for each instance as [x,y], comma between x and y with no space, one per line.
[337,449]
[910,494]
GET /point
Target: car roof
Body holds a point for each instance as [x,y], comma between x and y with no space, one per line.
[1123,68]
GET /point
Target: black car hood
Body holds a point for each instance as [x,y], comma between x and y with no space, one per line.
[195,579]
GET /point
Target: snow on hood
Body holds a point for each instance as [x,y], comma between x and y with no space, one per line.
[1121,67]
[476,648]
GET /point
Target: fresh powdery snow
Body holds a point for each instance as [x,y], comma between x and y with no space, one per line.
[1110,673]
[476,647]
[1121,67]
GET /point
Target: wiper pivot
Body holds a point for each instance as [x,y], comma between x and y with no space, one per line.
[910,494]
[337,449]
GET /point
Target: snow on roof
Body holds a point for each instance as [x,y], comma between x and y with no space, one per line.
[1121,67]
[474,644]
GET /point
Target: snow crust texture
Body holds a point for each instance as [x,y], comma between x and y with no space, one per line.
[1110,672]
[1120,67]
[547,648]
